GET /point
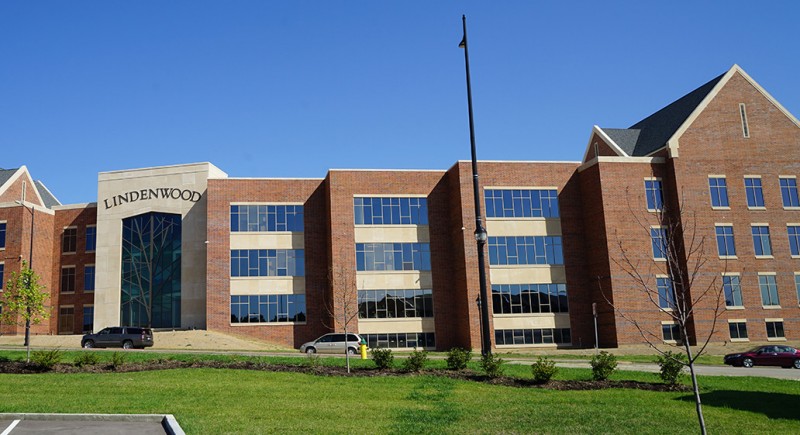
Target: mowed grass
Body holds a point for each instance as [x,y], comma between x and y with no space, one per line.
[209,401]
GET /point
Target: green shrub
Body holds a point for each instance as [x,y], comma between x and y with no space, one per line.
[383,358]
[543,370]
[492,365]
[603,365]
[457,358]
[46,359]
[86,358]
[117,360]
[313,360]
[416,361]
[671,364]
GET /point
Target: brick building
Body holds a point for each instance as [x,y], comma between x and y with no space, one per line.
[713,174]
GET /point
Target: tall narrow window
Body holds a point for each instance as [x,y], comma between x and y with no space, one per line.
[769,291]
[2,235]
[743,113]
[654,194]
[794,239]
[67,279]
[725,243]
[789,192]
[69,240]
[88,278]
[91,238]
[733,291]
[796,285]
[658,240]
[755,196]
[719,191]
[666,293]
[2,278]
[761,241]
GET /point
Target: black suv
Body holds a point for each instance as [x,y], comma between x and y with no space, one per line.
[126,337]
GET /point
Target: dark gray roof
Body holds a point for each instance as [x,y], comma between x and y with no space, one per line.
[5,174]
[47,197]
[653,132]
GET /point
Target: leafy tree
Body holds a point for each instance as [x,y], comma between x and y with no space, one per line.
[23,302]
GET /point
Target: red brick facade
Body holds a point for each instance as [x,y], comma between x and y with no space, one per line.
[603,214]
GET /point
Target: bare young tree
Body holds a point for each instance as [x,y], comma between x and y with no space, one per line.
[342,305]
[689,285]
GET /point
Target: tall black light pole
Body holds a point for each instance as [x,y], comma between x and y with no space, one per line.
[30,266]
[480,232]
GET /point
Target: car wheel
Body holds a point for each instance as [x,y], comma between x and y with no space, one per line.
[351,351]
[311,350]
[796,364]
[88,344]
[747,362]
[127,344]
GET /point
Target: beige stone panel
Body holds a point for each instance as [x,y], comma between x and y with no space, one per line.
[380,326]
[527,274]
[394,280]
[281,240]
[110,213]
[268,285]
[392,233]
[523,227]
[531,321]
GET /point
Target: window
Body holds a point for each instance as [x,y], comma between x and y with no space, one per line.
[654,194]
[666,293]
[796,286]
[529,298]
[518,203]
[671,332]
[752,187]
[390,304]
[67,279]
[732,288]
[769,291]
[738,330]
[743,114]
[88,278]
[268,308]
[2,277]
[91,239]
[789,192]
[775,329]
[390,211]
[794,239]
[88,318]
[267,262]
[66,319]
[658,240]
[393,256]
[266,218]
[761,242]
[719,191]
[525,250]
[401,340]
[2,235]
[725,244]
[532,336]
[69,240]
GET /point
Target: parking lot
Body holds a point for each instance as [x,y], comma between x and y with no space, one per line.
[89,424]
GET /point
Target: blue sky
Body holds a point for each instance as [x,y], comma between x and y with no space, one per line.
[292,89]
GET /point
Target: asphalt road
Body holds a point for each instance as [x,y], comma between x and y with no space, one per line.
[702,370]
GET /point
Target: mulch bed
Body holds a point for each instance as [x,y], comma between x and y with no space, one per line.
[16,367]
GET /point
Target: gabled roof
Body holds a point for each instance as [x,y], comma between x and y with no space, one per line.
[47,197]
[653,132]
[5,174]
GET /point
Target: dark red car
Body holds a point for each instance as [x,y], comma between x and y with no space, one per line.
[773,355]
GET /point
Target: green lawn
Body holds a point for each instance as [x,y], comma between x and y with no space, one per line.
[239,401]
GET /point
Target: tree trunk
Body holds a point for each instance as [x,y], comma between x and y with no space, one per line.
[695,388]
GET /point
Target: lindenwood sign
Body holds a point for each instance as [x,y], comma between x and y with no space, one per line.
[157,193]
